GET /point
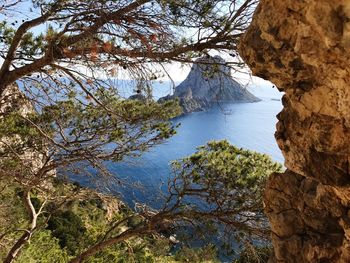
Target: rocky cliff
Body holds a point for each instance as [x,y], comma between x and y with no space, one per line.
[303,46]
[208,83]
[13,101]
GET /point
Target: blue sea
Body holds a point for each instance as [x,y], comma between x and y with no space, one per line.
[246,125]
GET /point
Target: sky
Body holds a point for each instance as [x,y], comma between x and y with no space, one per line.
[176,71]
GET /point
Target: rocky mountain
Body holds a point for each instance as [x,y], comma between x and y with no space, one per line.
[209,83]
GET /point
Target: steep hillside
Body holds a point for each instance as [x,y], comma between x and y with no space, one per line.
[209,83]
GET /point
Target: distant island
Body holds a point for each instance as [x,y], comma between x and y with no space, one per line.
[209,83]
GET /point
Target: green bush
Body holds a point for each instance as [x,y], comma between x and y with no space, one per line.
[43,248]
[199,255]
[254,255]
[69,229]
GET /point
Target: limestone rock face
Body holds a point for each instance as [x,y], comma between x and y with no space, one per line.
[209,82]
[303,46]
[13,100]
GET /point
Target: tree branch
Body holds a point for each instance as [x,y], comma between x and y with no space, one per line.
[14,251]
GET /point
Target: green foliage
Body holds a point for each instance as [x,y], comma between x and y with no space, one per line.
[221,168]
[29,47]
[109,129]
[69,229]
[75,119]
[135,250]
[254,255]
[198,255]
[236,166]
[221,187]
[12,216]
[73,228]
[14,124]
[80,223]
[7,32]
[134,221]
[43,248]
[156,32]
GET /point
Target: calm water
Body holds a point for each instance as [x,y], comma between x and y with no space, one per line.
[247,125]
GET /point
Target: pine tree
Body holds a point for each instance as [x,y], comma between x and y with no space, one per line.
[64,56]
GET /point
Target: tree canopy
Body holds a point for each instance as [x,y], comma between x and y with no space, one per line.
[61,108]
[44,39]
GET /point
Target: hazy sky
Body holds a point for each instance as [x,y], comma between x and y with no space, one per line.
[176,71]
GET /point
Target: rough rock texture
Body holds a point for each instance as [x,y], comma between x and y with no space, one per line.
[303,46]
[13,100]
[208,83]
